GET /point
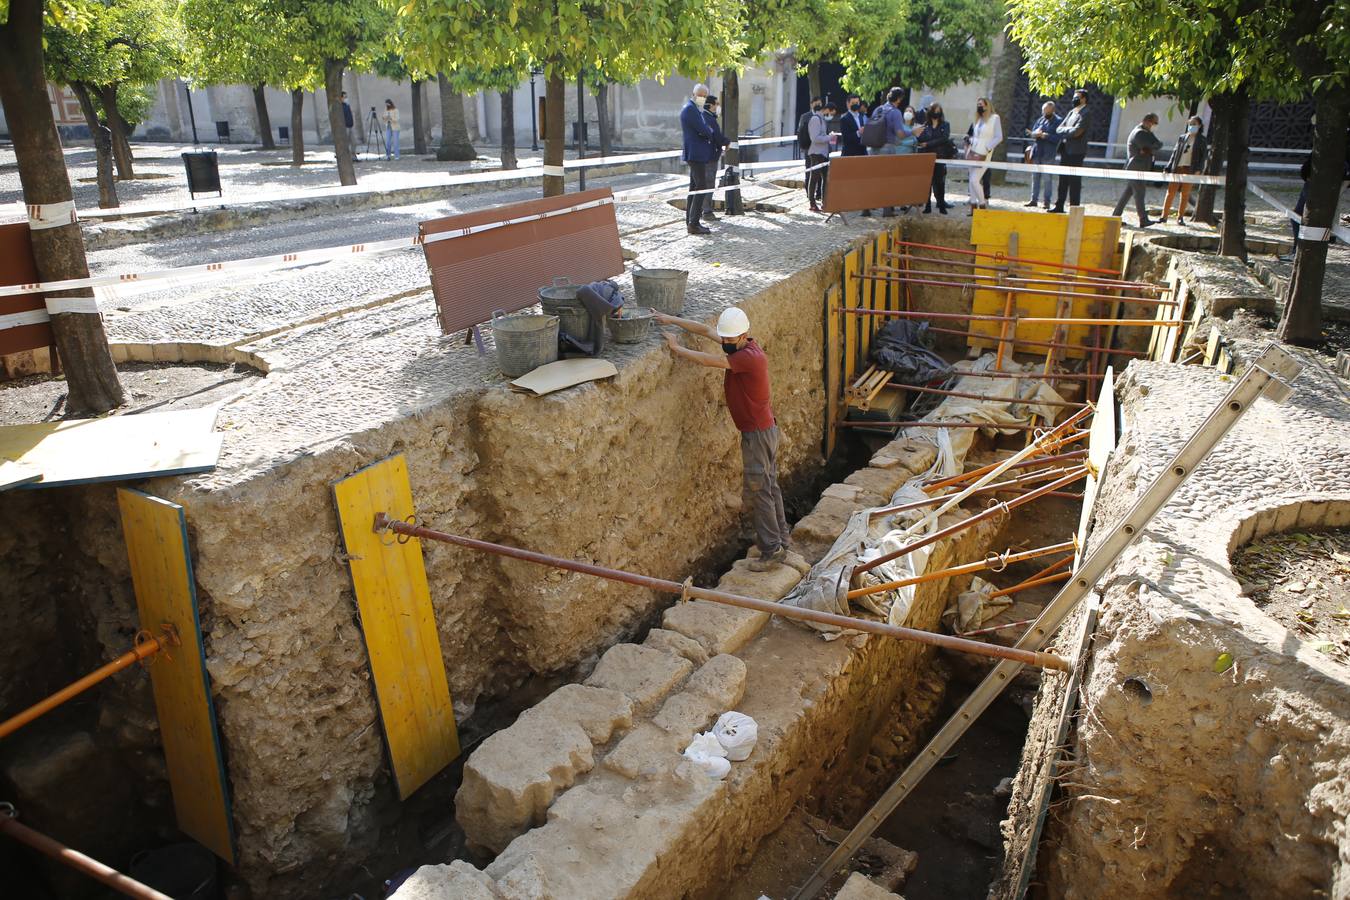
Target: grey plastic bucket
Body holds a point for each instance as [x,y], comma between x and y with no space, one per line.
[561,292]
[661,289]
[630,328]
[524,342]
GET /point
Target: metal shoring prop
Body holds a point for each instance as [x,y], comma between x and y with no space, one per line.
[687,589]
[74,858]
[1268,375]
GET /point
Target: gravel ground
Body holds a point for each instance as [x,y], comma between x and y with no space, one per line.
[42,398]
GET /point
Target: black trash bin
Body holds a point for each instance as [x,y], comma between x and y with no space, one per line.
[203,173]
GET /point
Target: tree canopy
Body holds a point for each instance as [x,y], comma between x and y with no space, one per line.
[115,42]
[247,42]
[935,43]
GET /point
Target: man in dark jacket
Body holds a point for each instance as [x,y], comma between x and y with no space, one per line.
[350,121]
[1073,148]
[699,150]
[1046,141]
[1187,156]
[1143,146]
[850,128]
[720,141]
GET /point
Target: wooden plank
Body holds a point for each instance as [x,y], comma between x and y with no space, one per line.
[13,474]
[161,571]
[834,367]
[1213,345]
[867,182]
[852,327]
[83,451]
[399,625]
[1102,438]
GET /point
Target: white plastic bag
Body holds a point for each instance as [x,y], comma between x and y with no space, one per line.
[737,734]
[706,752]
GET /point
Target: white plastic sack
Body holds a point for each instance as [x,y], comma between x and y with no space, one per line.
[705,751]
[737,733]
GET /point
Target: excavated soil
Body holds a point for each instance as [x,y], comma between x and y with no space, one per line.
[1302,580]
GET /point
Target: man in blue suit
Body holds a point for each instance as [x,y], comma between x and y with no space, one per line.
[700,148]
[850,128]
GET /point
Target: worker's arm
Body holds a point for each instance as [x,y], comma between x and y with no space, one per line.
[711,360]
[688,325]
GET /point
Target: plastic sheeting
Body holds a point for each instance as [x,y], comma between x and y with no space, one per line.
[904,347]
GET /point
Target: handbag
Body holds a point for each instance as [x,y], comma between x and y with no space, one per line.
[1028,153]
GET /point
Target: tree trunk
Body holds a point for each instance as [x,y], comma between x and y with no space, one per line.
[1233,236]
[264,120]
[555,133]
[509,129]
[1004,90]
[1220,107]
[342,145]
[813,79]
[102,138]
[731,111]
[455,143]
[59,252]
[121,147]
[602,117]
[297,127]
[1302,320]
[419,120]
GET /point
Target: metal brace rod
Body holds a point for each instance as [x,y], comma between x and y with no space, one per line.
[1269,375]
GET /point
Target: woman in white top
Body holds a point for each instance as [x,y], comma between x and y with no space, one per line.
[390,130]
[986,135]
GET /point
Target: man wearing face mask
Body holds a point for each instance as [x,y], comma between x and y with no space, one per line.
[700,148]
[720,141]
[850,141]
[1073,132]
[1143,146]
[746,385]
[817,153]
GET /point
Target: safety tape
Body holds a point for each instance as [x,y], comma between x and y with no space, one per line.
[1113,174]
[58,305]
[1314,235]
[51,215]
[555,171]
[19,319]
[490,226]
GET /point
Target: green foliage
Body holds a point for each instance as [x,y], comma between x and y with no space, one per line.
[134,103]
[939,43]
[625,39]
[115,42]
[245,42]
[354,32]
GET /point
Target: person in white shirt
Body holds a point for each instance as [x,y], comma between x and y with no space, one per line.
[390,130]
[986,135]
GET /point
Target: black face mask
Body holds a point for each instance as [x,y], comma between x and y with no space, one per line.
[729,349]
[855,106]
[815,108]
[980,110]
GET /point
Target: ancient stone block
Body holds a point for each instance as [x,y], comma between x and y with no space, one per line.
[721,679]
[598,711]
[648,750]
[860,887]
[676,644]
[720,629]
[771,585]
[879,481]
[457,881]
[645,675]
[513,776]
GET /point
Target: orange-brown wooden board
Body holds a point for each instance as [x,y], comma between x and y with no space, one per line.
[23,318]
[478,272]
[868,182]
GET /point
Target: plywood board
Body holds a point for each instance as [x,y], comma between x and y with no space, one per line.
[161,571]
[17,266]
[480,271]
[852,293]
[869,182]
[1101,441]
[564,373]
[394,603]
[117,448]
[1040,237]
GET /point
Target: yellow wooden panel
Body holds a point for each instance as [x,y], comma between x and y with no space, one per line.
[851,325]
[834,365]
[1101,441]
[399,625]
[161,570]
[80,451]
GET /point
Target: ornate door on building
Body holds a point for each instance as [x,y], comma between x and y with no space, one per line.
[1285,126]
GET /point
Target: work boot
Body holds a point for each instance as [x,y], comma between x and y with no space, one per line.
[699,229]
[765,563]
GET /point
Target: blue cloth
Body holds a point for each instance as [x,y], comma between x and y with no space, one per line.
[699,139]
[1044,149]
[390,143]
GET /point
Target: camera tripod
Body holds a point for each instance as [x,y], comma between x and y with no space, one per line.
[375,134]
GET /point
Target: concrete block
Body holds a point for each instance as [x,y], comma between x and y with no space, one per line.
[597,711]
[457,881]
[648,751]
[1312,513]
[721,679]
[1337,515]
[720,629]
[119,353]
[140,352]
[676,644]
[166,351]
[645,675]
[513,776]
[860,887]
[1286,517]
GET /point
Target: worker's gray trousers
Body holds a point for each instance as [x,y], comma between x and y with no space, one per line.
[763,497]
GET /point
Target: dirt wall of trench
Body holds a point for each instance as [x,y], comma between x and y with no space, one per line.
[642,472]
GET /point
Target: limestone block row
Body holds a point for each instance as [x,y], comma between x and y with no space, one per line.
[726,629]
[514,775]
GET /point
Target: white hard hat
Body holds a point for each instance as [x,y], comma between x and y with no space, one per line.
[733,322]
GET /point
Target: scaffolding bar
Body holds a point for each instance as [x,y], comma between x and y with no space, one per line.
[1006,258]
[75,859]
[1035,320]
[993,561]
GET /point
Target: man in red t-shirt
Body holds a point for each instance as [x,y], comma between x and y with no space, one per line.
[747,390]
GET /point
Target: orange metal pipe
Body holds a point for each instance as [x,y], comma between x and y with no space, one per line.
[1000,281]
[982,470]
[1078,279]
[77,860]
[1031,584]
[1029,478]
[1003,257]
[141,651]
[955,571]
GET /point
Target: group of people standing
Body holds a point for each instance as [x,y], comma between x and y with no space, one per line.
[703,146]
